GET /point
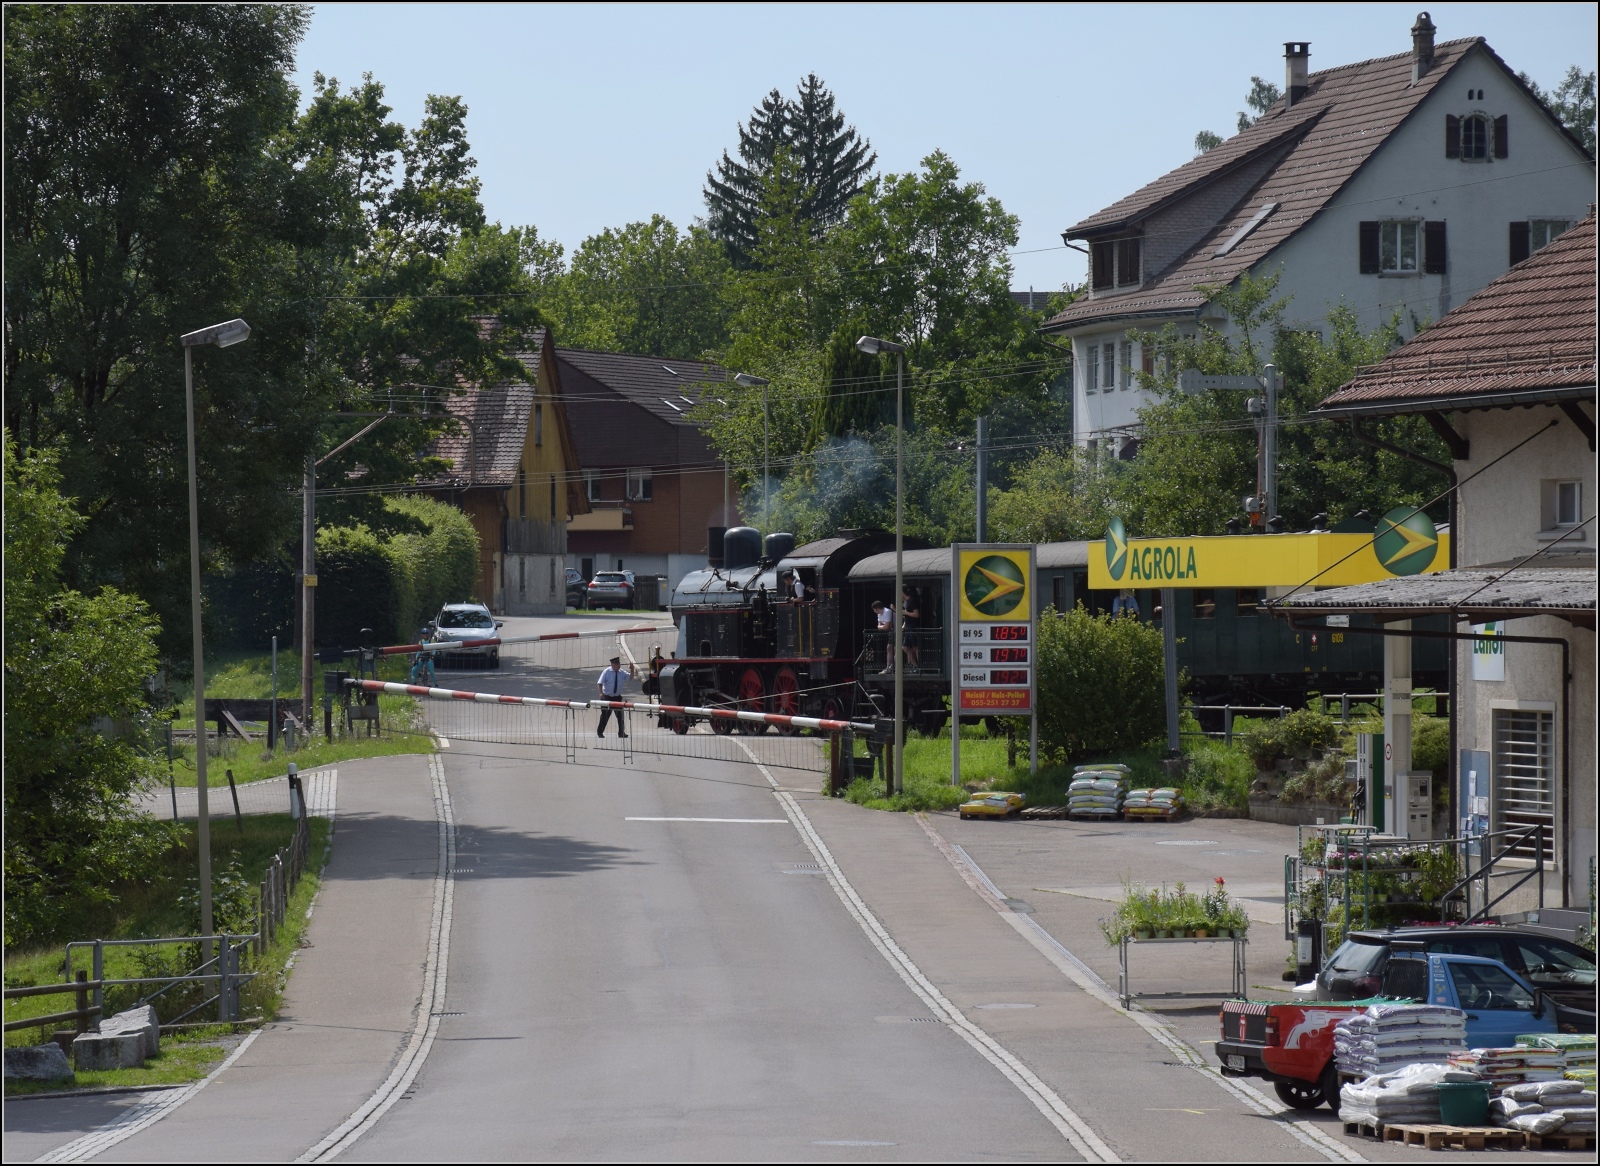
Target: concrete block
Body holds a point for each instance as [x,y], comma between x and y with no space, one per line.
[94,1050]
[38,1063]
[143,1020]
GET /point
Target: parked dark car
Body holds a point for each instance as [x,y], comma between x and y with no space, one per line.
[1561,969]
[611,589]
[577,589]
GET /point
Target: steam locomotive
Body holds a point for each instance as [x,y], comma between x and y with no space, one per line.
[742,641]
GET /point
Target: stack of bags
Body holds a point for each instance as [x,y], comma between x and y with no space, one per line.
[1098,792]
[1577,1049]
[1388,1037]
[1499,1067]
[1166,802]
[1408,1095]
[1545,1107]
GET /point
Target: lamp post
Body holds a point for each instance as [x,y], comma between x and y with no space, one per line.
[873,346]
[223,336]
[750,382]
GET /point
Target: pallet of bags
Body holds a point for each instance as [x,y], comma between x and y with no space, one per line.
[1388,1037]
[1408,1095]
[1577,1049]
[1545,1107]
[1498,1067]
[1097,793]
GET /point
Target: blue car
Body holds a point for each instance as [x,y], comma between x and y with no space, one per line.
[1500,1005]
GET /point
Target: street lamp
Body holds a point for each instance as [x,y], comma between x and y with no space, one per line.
[746,380]
[223,336]
[873,346]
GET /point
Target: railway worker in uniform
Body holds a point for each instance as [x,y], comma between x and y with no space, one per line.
[610,686]
[797,587]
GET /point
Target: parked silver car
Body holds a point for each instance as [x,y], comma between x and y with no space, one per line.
[464,622]
[611,589]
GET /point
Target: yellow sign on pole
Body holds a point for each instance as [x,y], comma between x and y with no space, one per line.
[995,584]
[1401,545]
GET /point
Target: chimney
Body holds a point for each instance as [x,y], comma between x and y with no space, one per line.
[1421,46]
[1296,64]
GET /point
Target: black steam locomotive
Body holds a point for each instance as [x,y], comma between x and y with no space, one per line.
[743,642]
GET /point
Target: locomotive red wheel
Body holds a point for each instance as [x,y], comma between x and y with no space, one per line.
[786,698]
[680,725]
[721,726]
[752,699]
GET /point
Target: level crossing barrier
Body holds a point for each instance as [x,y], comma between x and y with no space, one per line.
[588,648]
[717,733]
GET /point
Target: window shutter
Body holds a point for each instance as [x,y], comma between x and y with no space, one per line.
[1521,245]
[1433,256]
[1452,136]
[1502,136]
[1369,248]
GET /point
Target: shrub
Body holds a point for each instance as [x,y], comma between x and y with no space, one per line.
[1303,733]
[440,562]
[1100,684]
[356,587]
[1218,777]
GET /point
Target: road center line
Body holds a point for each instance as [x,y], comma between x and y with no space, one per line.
[1086,978]
[1068,1124]
[765,821]
[426,1027]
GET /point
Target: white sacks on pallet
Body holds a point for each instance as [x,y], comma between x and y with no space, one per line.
[1387,1037]
[1407,1095]
[1545,1107]
[1097,791]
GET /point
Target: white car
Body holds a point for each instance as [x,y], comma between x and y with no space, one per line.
[463,622]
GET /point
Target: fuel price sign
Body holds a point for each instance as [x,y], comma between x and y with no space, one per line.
[993,585]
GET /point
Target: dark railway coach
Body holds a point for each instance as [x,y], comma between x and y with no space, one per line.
[745,641]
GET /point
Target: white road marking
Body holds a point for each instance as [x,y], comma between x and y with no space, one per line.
[766,821]
[1086,978]
[1068,1124]
[140,1116]
[433,988]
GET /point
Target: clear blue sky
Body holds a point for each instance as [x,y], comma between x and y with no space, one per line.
[589,116]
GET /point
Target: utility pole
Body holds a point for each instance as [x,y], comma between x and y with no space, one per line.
[308,589]
[983,479]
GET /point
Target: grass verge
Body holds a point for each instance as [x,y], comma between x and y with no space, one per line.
[249,675]
[164,907]
[1218,781]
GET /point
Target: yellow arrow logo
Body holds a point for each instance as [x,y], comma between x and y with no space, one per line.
[1002,586]
[1414,542]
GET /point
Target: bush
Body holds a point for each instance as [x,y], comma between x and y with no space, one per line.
[1100,684]
[356,587]
[440,561]
[1218,777]
[1304,733]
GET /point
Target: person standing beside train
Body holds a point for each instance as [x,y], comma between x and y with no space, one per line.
[885,615]
[910,616]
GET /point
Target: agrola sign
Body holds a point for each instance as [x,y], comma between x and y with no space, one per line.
[1404,542]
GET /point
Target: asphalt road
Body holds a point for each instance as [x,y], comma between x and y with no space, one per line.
[675,990]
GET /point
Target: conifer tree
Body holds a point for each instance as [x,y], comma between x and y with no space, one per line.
[834,162]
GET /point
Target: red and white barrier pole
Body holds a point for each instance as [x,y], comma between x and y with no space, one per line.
[496,641]
[830,726]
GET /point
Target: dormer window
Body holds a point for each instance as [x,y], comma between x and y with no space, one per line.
[1115,263]
[1475,137]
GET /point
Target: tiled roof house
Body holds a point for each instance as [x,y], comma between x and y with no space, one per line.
[514,472]
[1400,184]
[653,483]
[1508,380]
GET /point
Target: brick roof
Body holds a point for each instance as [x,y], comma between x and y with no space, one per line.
[486,448]
[1346,114]
[662,386]
[1529,335]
